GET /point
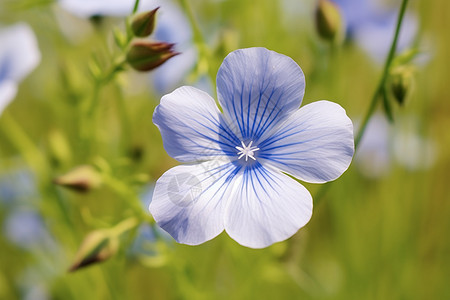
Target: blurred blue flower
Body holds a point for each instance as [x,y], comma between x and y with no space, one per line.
[16,186]
[116,8]
[384,143]
[372,26]
[235,180]
[173,27]
[19,55]
[373,157]
[26,229]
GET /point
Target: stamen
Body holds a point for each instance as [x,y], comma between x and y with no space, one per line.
[247,151]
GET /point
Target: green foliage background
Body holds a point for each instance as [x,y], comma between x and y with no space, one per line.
[385,238]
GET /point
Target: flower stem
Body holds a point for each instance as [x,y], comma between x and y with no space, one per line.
[24,144]
[125,120]
[379,91]
[125,226]
[136,6]
[381,85]
[200,43]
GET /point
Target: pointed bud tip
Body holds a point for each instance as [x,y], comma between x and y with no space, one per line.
[143,24]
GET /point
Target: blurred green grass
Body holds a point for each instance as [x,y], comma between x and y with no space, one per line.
[368,239]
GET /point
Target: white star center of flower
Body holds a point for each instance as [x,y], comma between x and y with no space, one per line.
[247,151]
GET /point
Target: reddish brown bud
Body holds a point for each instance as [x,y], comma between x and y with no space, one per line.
[147,55]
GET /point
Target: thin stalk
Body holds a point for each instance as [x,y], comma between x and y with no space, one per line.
[23,143]
[125,226]
[136,6]
[378,92]
[199,41]
[382,83]
[125,120]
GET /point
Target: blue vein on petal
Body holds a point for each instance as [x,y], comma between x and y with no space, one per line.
[282,135]
[236,115]
[264,127]
[248,133]
[256,173]
[230,138]
[261,93]
[231,172]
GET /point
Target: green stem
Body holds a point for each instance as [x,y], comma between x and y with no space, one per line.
[89,130]
[24,144]
[125,226]
[199,41]
[198,36]
[136,6]
[382,83]
[125,121]
[378,92]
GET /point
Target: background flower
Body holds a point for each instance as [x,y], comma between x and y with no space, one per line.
[371,24]
[116,8]
[19,55]
[236,181]
[173,27]
[26,229]
[384,144]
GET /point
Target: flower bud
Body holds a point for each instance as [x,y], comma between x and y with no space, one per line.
[147,55]
[96,247]
[329,21]
[401,79]
[143,24]
[83,178]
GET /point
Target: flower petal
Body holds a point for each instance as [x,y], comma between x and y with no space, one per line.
[189,200]
[314,145]
[190,125]
[19,50]
[267,207]
[258,89]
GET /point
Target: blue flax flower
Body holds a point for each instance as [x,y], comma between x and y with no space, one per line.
[19,55]
[371,24]
[235,179]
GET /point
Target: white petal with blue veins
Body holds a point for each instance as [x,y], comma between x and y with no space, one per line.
[258,89]
[189,200]
[191,127]
[314,145]
[266,207]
